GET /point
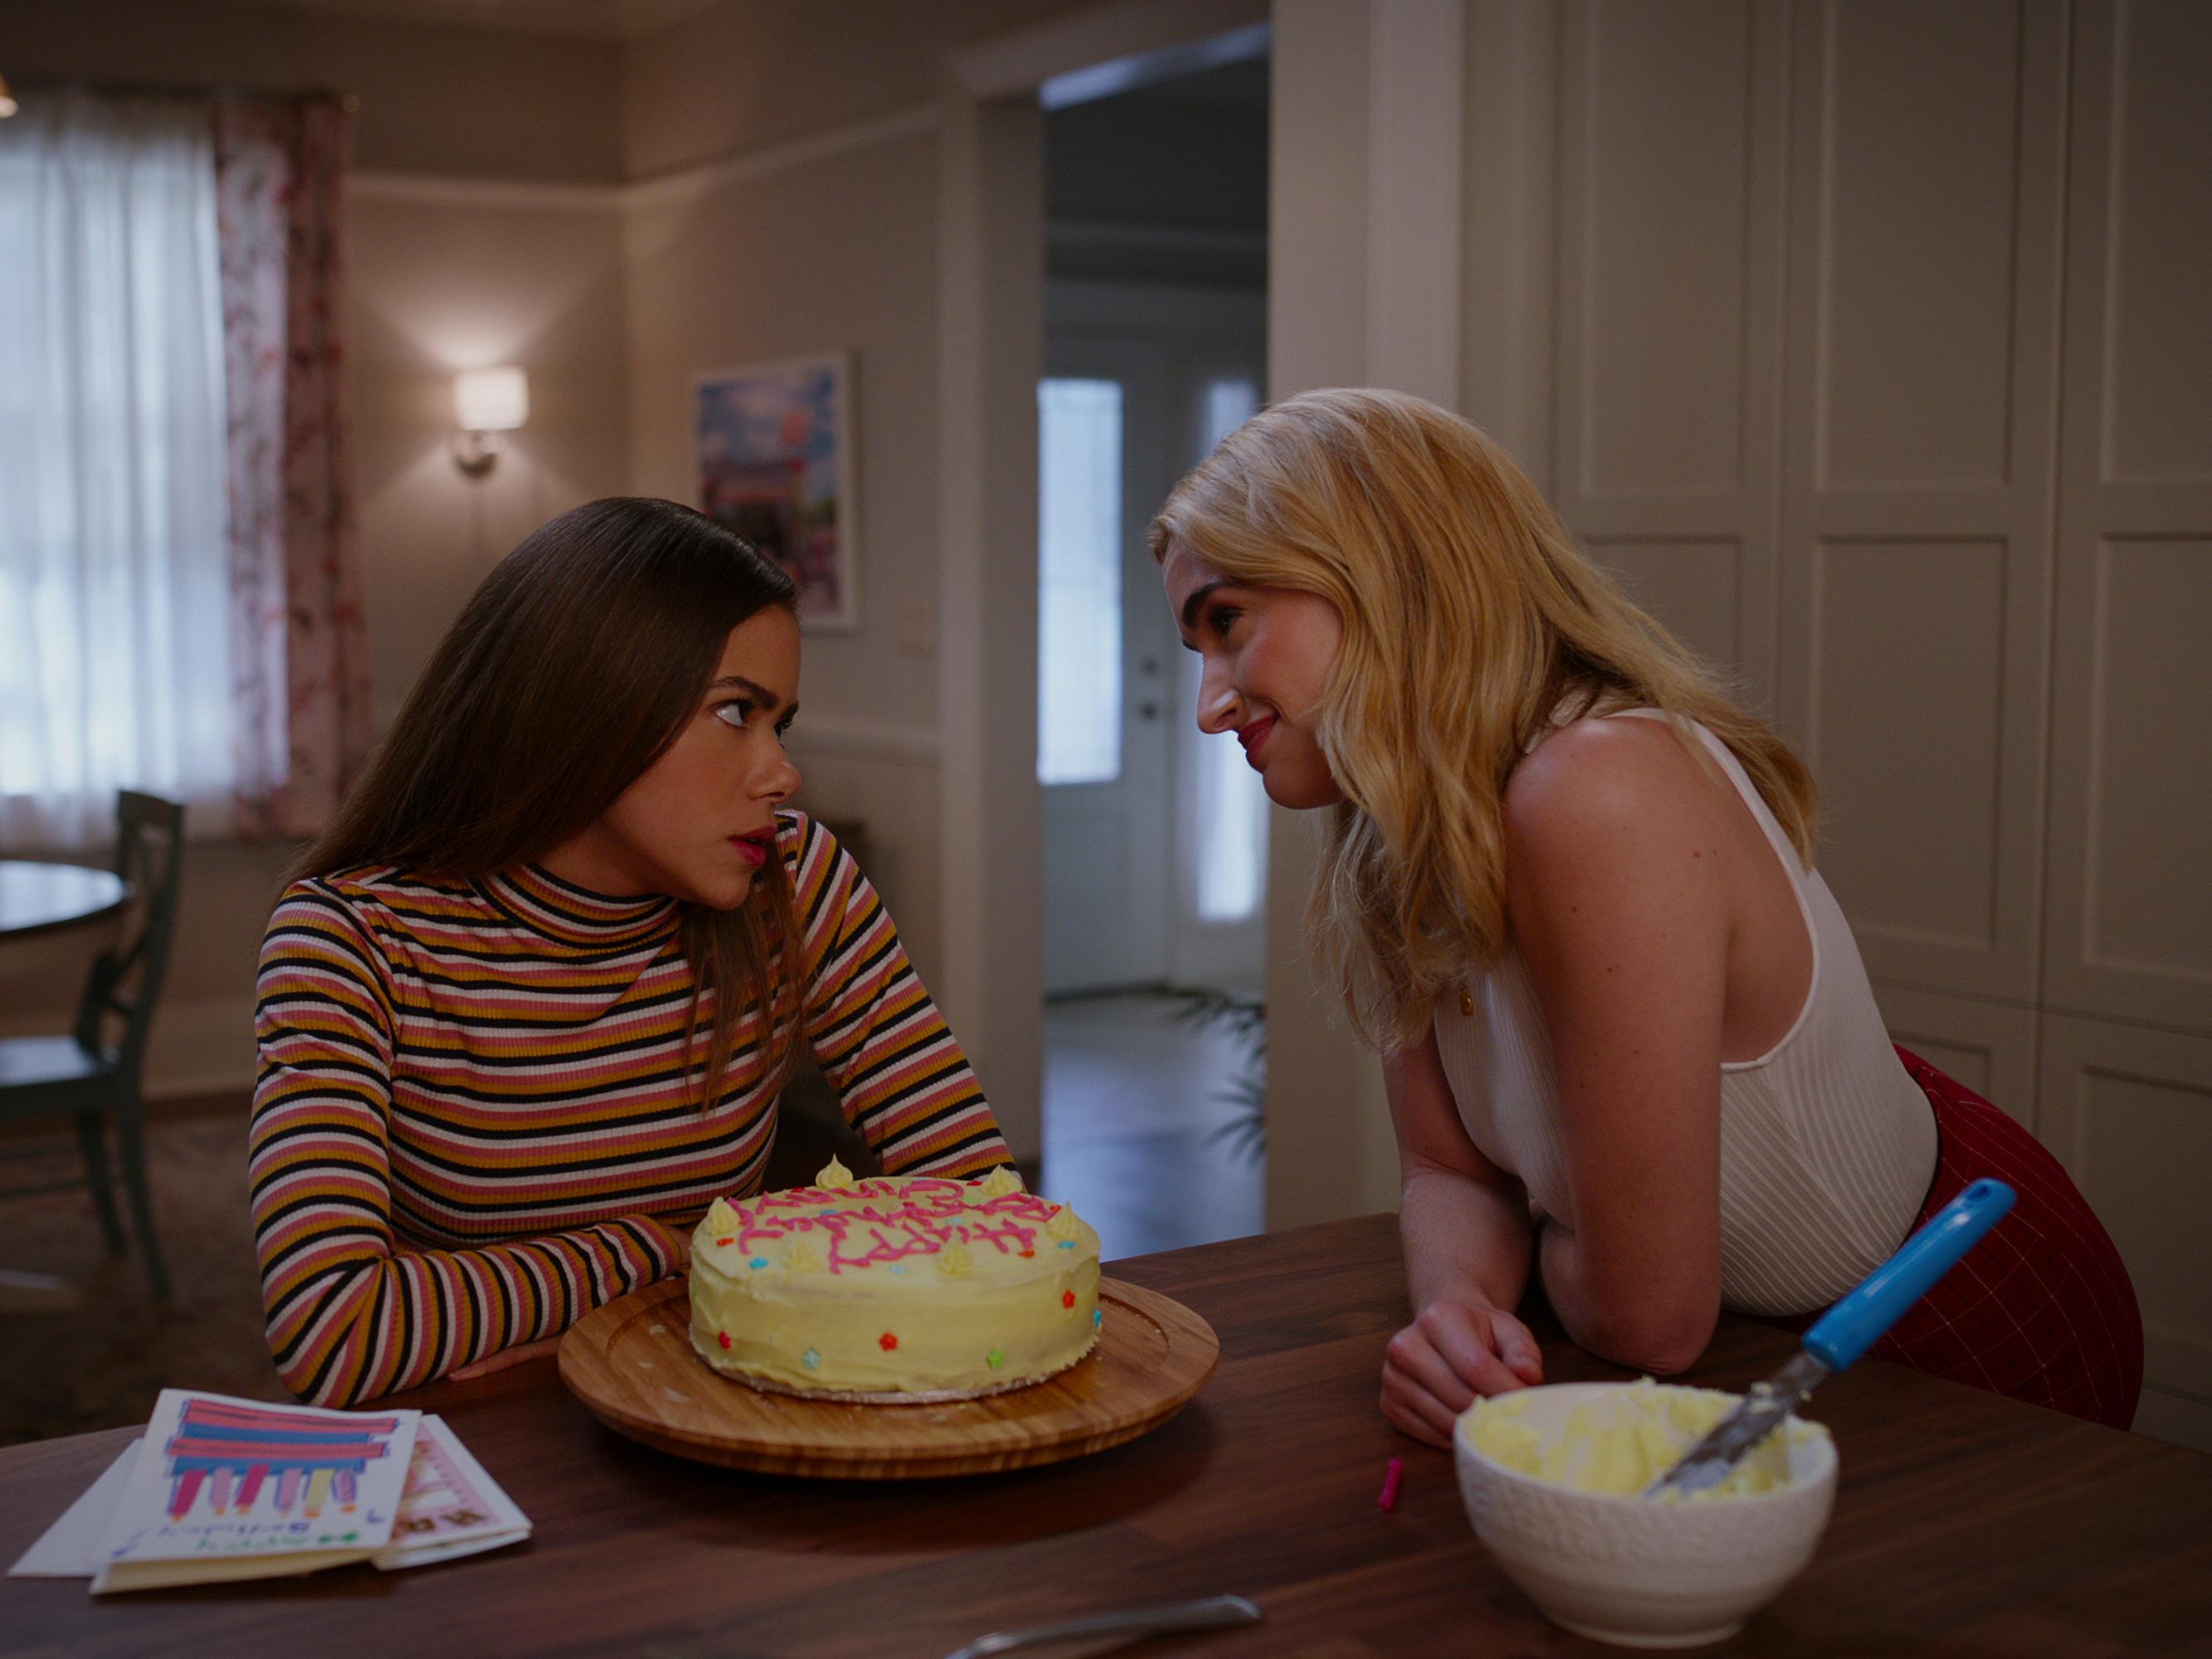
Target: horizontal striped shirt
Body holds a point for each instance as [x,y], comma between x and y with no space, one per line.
[474,1120]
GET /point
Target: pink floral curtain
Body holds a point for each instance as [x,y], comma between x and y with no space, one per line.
[300,652]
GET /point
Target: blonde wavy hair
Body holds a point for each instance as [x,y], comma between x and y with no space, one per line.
[1471,622]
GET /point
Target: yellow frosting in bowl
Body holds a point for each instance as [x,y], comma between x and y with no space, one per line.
[1622,1445]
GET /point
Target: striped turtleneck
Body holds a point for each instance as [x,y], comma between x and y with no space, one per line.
[474,1120]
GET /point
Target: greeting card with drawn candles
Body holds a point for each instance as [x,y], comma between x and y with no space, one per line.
[225,1488]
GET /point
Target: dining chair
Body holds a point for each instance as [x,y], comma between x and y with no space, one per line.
[92,1074]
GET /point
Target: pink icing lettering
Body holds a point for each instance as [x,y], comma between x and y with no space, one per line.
[896,1221]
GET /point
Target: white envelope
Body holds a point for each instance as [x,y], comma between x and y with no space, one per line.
[70,1547]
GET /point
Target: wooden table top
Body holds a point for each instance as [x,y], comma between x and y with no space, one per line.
[1962,1520]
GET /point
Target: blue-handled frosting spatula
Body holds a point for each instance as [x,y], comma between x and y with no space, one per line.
[1842,1334]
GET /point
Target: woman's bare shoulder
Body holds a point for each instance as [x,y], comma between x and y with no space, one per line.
[1607,779]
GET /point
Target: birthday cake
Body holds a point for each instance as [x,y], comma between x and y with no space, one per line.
[895,1290]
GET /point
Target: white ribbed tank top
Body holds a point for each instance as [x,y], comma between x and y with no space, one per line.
[1827,1146]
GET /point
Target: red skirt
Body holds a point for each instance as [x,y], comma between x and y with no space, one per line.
[2042,1308]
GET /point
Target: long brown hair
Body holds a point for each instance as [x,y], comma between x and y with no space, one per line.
[1471,623]
[569,671]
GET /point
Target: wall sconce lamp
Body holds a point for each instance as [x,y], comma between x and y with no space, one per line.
[487,402]
[7,101]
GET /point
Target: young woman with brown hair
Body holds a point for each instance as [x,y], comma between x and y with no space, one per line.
[526,1009]
[1567,890]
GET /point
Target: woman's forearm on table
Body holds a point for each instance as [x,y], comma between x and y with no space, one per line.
[1463,1240]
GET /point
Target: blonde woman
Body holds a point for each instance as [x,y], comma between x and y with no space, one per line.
[1568,892]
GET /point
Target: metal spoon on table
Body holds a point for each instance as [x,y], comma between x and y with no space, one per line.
[1130,1623]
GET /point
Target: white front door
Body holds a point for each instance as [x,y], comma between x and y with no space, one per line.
[1109,454]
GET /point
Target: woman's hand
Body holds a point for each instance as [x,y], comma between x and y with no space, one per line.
[1466,1226]
[504,1357]
[1455,1351]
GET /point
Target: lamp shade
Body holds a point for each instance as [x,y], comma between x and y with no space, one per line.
[491,400]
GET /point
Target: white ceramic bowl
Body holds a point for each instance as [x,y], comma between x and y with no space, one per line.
[1629,1570]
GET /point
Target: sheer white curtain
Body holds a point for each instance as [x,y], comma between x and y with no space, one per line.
[115,656]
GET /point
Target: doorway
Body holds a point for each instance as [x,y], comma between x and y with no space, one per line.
[1153,836]
[1105,731]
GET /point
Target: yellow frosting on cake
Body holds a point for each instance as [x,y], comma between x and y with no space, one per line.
[1622,1447]
[894,1286]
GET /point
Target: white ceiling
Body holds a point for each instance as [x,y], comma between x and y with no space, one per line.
[607,20]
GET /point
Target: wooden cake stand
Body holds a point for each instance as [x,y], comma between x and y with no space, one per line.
[632,1365]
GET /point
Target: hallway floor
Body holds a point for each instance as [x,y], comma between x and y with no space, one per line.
[1134,1125]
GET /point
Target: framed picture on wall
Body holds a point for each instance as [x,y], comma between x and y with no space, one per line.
[776,465]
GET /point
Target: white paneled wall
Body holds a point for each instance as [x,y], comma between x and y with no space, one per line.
[1925,208]
[2128,1109]
[2126,1064]
[1881,372]
[1669,290]
[2130,926]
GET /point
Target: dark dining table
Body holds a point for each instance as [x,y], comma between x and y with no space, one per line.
[1964,1523]
[40,897]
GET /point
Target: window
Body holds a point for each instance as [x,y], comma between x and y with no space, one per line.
[1078,582]
[1232,847]
[115,664]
